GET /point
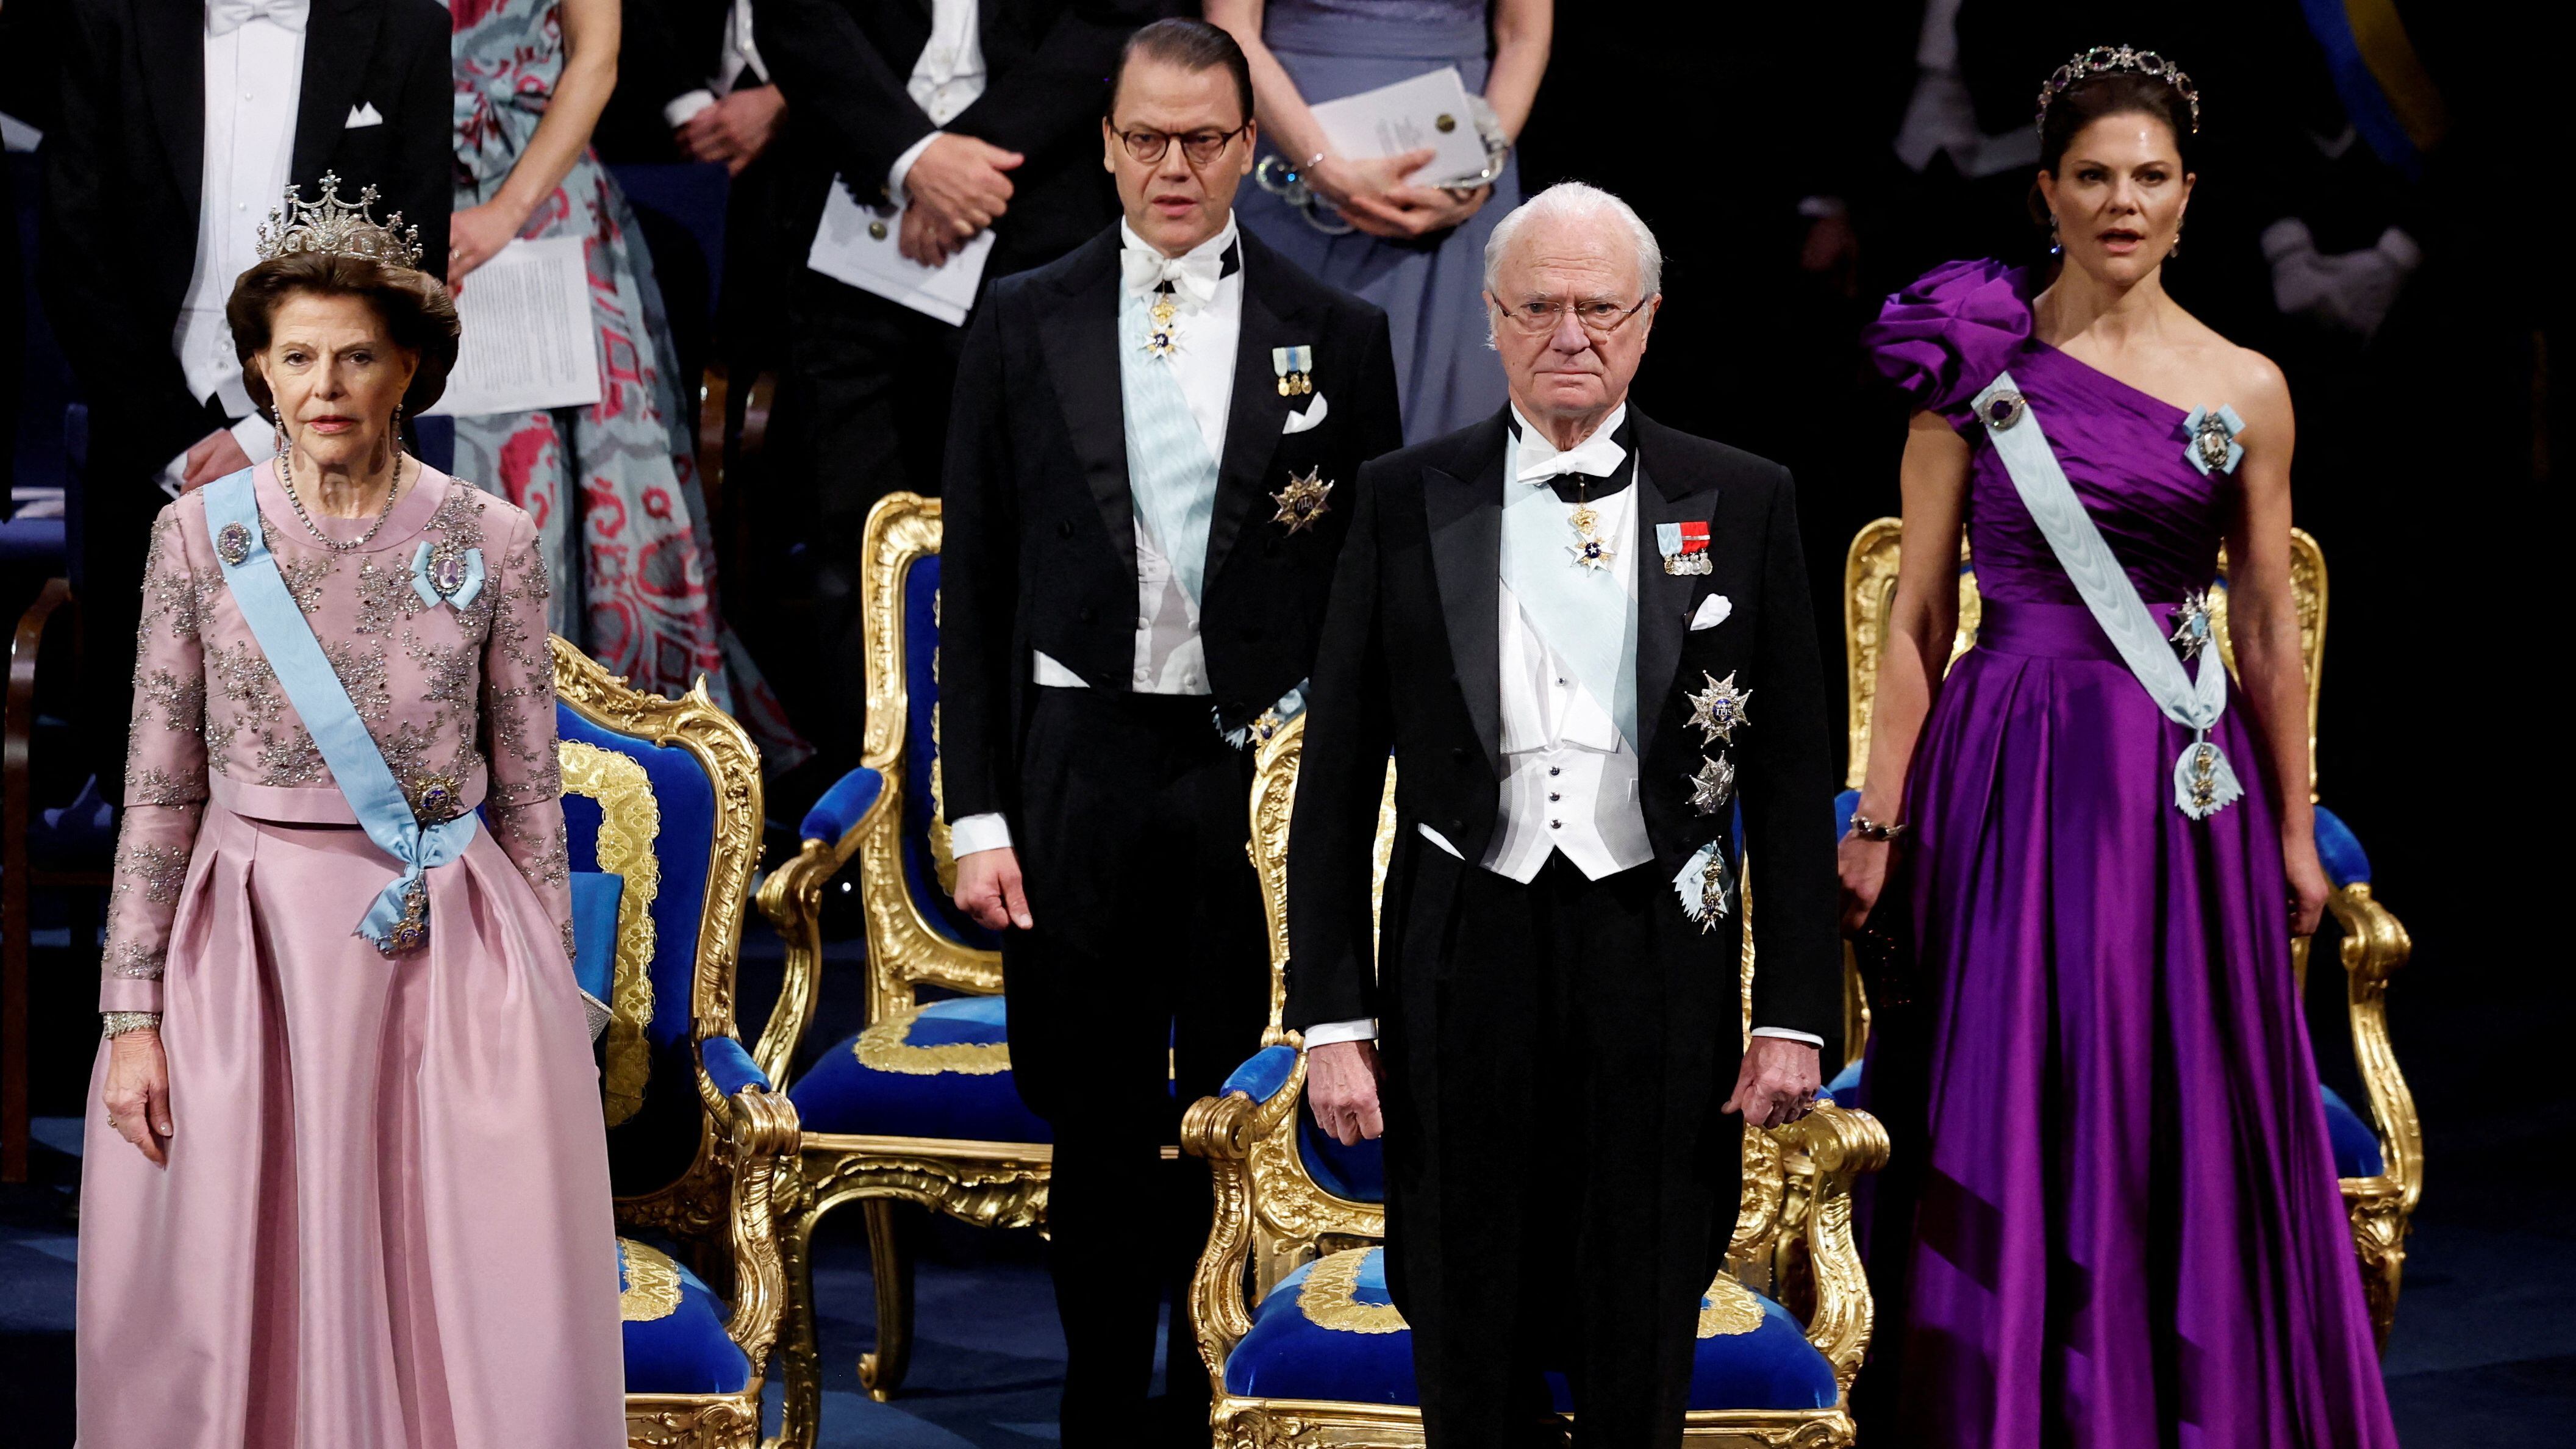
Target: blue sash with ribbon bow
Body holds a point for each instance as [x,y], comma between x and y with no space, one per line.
[398,920]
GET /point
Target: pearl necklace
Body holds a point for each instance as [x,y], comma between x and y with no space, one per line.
[286,477]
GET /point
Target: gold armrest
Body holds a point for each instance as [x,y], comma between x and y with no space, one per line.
[792,899]
[1825,1150]
[760,1136]
[2374,946]
[1225,1130]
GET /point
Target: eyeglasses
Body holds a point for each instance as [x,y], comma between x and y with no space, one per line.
[1198,147]
[1597,317]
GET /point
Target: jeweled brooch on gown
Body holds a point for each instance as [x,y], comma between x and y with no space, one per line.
[2210,439]
[232,544]
[1304,500]
[1718,709]
[2002,410]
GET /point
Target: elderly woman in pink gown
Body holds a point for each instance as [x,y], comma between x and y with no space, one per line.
[388,1221]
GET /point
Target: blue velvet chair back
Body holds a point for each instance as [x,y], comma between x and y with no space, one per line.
[666,795]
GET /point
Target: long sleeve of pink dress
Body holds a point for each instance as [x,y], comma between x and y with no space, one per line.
[385,1216]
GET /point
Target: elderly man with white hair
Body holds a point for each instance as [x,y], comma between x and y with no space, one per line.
[1586,640]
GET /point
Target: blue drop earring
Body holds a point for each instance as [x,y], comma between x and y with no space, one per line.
[2056,248]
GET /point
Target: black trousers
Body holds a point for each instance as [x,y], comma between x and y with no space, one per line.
[1144,983]
[862,412]
[1562,1185]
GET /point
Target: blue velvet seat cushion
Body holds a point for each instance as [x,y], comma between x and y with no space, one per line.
[1288,1355]
[685,1349]
[906,1087]
[2356,1146]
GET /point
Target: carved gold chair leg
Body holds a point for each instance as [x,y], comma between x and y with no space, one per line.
[882,1372]
[800,1357]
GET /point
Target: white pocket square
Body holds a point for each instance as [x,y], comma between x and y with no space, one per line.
[1438,839]
[1300,422]
[1712,612]
[363,114]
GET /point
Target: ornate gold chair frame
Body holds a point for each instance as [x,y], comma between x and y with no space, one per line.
[2374,945]
[989,1184]
[725,1204]
[1793,1239]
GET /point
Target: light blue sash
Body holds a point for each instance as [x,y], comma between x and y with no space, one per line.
[399,918]
[2203,782]
[1567,603]
[1169,473]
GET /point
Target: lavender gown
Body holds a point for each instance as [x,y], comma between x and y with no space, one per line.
[2128,1231]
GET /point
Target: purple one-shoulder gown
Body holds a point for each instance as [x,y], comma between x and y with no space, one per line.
[2126,1230]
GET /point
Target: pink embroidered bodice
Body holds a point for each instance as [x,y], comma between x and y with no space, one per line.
[459,696]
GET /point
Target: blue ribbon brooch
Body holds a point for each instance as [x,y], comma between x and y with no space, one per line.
[2210,439]
[442,572]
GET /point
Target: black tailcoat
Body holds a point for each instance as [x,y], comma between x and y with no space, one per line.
[1612,1185]
[1040,550]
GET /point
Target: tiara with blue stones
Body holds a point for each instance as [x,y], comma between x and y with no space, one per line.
[2119,60]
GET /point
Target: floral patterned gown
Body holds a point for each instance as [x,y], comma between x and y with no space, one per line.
[385,1218]
[614,486]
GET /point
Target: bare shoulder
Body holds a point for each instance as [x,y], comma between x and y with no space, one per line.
[2249,381]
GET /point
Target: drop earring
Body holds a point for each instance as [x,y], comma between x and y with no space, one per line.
[279,421]
[2175,250]
[2056,248]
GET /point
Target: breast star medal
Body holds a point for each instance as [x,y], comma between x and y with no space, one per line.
[1304,500]
[1714,785]
[1718,709]
[1162,332]
[2193,625]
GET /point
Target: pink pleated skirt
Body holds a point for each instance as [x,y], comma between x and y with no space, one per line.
[386,1221]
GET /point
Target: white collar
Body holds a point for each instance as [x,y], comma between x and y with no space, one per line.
[1597,455]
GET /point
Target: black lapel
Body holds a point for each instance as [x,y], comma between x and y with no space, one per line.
[338,39]
[1080,339]
[1465,515]
[1253,421]
[171,34]
[1665,494]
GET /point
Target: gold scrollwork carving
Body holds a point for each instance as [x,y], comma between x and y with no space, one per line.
[652,1287]
[887,1046]
[688,1421]
[630,821]
[1728,1310]
[1330,1297]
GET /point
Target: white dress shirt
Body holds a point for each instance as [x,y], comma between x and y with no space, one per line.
[738,57]
[254,79]
[1942,117]
[1169,656]
[1569,777]
[946,79]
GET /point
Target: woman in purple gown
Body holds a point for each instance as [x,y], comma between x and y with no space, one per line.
[2123,1227]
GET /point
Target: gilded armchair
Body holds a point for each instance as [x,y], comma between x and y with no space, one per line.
[920,1106]
[663,796]
[1294,1324]
[2380,1161]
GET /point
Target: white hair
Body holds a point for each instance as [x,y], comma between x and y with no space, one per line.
[1574,201]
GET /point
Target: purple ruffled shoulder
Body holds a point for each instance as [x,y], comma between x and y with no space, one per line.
[1942,339]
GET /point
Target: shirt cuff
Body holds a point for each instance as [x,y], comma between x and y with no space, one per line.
[685,109]
[257,436]
[1330,1033]
[988,831]
[1785,1034]
[902,166]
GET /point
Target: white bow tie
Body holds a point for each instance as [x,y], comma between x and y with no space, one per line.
[1193,277]
[226,16]
[1596,456]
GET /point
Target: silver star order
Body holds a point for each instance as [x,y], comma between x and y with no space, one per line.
[1303,500]
[1718,709]
[1591,553]
[1713,785]
[2192,625]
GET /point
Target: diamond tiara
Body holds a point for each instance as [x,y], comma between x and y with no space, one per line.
[2113,60]
[332,226]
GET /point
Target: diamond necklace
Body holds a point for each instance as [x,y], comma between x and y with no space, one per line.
[286,476]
